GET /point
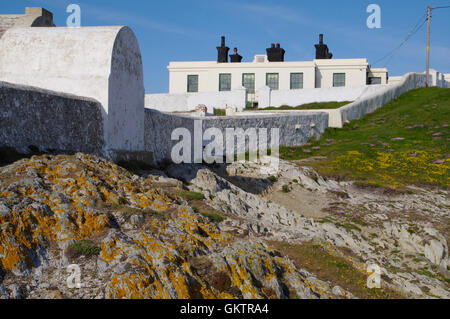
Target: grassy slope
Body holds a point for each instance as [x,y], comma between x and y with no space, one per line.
[310,106]
[404,142]
[318,260]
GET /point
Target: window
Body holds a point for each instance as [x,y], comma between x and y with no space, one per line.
[296,81]
[192,83]
[248,81]
[225,82]
[272,80]
[375,80]
[338,79]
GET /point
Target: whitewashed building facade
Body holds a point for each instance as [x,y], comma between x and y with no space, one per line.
[264,70]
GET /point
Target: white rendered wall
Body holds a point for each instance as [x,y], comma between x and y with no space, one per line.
[317,73]
[209,74]
[277,98]
[374,101]
[395,79]
[103,63]
[381,73]
[355,72]
[437,79]
[447,77]
[186,102]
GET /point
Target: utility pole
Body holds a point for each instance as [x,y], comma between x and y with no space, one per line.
[428,45]
[429,9]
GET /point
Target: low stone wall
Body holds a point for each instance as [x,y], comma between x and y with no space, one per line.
[49,121]
[277,98]
[189,101]
[296,128]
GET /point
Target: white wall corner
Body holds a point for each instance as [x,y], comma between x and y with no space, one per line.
[264,97]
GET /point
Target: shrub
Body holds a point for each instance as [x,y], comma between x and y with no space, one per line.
[220,112]
[273,179]
[83,248]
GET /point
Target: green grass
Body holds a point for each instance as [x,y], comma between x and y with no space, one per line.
[213,217]
[190,195]
[219,112]
[396,145]
[286,189]
[86,247]
[309,106]
[337,270]
[348,227]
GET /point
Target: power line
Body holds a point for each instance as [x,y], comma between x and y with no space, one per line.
[414,30]
[440,7]
[393,54]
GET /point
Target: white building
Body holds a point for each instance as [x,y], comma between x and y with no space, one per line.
[271,70]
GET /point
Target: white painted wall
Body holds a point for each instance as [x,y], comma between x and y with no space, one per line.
[371,102]
[355,72]
[277,98]
[186,102]
[317,73]
[395,79]
[437,78]
[381,73]
[209,74]
[447,77]
[103,63]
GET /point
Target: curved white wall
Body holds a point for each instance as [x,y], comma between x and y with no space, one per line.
[103,63]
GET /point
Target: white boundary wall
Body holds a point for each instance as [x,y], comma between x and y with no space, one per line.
[186,102]
[437,79]
[278,98]
[372,97]
[103,63]
[376,100]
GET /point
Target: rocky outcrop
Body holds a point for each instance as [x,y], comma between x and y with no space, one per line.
[135,236]
[365,222]
[144,242]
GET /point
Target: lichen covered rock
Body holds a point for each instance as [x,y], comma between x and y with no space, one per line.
[146,242]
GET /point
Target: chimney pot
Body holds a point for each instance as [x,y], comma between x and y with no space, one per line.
[222,52]
[322,51]
[275,54]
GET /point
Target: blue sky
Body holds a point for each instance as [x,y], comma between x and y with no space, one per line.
[181,30]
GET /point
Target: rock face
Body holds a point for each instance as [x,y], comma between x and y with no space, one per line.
[406,245]
[135,236]
[150,245]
